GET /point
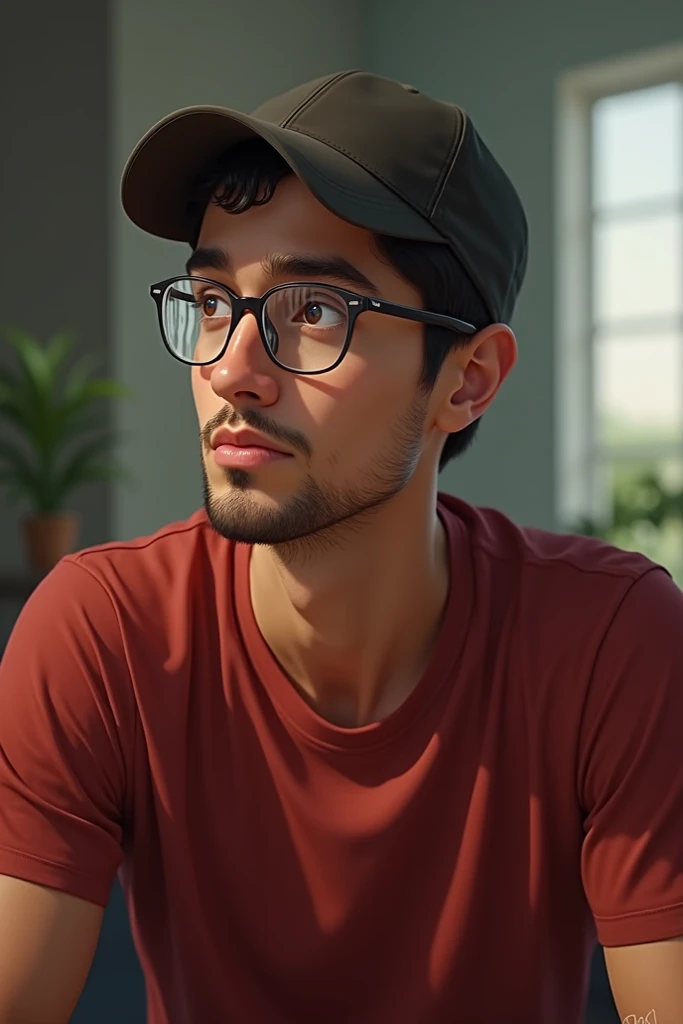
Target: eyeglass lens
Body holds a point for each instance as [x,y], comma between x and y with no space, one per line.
[305,327]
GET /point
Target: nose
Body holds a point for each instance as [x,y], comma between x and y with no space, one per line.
[245,373]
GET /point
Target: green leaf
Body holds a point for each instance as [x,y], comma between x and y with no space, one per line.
[16,401]
[56,352]
[34,364]
[55,406]
[80,400]
[85,422]
[88,472]
[101,439]
[79,467]
[14,407]
[20,476]
[79,374]
[28,406]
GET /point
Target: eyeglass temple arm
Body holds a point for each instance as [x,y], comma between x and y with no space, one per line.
[408,313]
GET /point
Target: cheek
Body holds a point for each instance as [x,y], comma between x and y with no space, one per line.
[205,399]
[362,397]
[385,367]
[391,349]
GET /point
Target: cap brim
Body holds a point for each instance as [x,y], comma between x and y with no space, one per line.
[161,170]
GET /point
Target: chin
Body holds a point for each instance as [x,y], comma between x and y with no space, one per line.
[240,510]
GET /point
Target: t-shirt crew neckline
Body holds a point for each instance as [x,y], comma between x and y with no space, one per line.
[438,673]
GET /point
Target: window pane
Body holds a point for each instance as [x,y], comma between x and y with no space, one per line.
[647,511]
[638,145]
[638,385]
[637,267]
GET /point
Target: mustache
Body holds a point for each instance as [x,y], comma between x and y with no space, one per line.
[254,420]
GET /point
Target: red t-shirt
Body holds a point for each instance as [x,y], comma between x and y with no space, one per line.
[452,862]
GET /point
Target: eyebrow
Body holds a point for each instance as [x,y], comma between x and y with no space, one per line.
[302,265]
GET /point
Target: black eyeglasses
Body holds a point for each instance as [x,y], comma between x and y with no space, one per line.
[305,328]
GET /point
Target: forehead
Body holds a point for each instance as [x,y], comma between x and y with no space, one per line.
[292,221]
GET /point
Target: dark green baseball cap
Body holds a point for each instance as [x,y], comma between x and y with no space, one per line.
[375,152]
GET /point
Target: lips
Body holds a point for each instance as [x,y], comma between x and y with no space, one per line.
[243,439]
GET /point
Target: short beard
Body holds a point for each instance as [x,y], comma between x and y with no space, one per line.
[319,516]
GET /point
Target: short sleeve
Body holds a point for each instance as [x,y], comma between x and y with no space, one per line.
[65,728]
[631,769]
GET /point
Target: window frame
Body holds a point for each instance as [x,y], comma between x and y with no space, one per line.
[578,493]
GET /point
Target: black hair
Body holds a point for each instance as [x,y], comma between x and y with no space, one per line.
[248,174]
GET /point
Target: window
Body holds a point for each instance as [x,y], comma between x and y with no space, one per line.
[620,304]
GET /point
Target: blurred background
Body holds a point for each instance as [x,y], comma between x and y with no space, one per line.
[582,103]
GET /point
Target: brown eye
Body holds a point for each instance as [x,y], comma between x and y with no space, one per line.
[214,305]
[313,313]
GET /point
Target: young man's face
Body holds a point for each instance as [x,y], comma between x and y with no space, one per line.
[355,433]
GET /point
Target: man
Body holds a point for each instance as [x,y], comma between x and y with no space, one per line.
[363,753]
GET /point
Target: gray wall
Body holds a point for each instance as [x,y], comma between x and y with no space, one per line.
[500,60]
[168,58]
[54,169]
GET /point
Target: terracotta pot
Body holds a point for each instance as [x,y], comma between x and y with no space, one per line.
[48,538]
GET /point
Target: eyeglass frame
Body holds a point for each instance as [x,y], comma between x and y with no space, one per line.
[355,302]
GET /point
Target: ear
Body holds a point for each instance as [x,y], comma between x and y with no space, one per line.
[471,377]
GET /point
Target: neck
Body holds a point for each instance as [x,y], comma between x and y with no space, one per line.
[353,621]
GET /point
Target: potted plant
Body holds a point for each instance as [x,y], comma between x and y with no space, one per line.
[53,405]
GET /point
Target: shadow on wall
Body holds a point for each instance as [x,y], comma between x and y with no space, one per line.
[115,990]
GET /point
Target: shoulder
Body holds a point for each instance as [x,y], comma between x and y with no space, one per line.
[152,561]
[153,578]
[558,568]
[557,597]
[102,609]
[102,597]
